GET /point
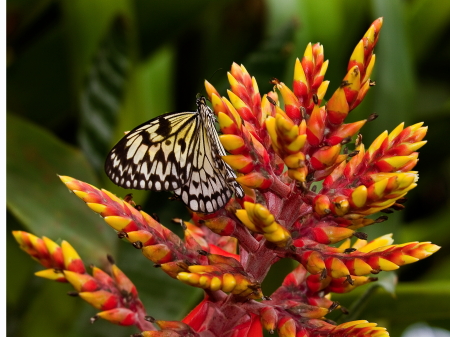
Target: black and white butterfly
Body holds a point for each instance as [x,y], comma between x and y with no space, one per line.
[179,152]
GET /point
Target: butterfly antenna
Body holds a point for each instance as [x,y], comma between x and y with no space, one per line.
[209,80]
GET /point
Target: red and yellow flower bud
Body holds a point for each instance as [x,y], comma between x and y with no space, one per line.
[344,131]
[210,277]
[342,285]
[174,268]
[233,144]
[269,318]
[45,251]
[337,107]
[316,126]
[221,225]
[143,236]
[81,282]
[286,327]
[351,84]
[359,328]
[102,278]
[330,234]
[72,260]
[159,253]
[313,262]
[52,274]
[336,268]
[291,103]
[241,107]
[239,162]
[120,316]
[122,281]
[325,157]
[308,311]
[258,219]
[255,180]
[100,299]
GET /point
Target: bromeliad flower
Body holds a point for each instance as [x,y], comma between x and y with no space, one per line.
[304,190]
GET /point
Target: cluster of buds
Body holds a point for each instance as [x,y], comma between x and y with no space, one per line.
[304,190]
[114,294]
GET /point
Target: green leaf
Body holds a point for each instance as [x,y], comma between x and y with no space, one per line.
[148,94]
[272,56]
[424,301]
[39,80]
[388,282]
[59,310]
[17,279]
[159,24]
[102,93]
[86,23]
[40,201]
[393,72]
[427,22]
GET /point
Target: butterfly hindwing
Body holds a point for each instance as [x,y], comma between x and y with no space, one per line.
[206,188]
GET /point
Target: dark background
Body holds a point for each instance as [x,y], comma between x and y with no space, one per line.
[80,72]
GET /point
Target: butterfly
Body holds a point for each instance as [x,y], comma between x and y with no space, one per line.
[179,152]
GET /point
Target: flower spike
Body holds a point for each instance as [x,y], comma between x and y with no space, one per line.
[311,187]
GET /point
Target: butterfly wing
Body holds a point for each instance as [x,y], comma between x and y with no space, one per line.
[179,152]
[154,155]
[211,181]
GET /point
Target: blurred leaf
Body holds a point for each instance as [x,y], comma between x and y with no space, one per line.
[439,271]
[24,13]
[279,14]
[419,231]
[158,25]
[148,94]
[102,94]
[60,311]
[413,302]
[428,21]
[224,32]
[86,22]
[16,277]
[270,59]
[39,81]
[388,282]
[394,73]
[40,201]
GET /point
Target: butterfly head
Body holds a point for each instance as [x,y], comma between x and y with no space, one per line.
[201,101]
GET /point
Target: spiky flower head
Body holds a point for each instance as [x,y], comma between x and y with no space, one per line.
[304,190]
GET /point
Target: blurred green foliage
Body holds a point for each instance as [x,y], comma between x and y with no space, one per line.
[80,72]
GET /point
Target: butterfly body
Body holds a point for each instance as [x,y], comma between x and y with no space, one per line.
[179,152]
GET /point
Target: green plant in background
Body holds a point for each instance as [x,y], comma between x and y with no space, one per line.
[120,62]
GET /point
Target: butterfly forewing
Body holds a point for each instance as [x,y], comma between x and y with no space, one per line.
[179,152]
[153,156]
